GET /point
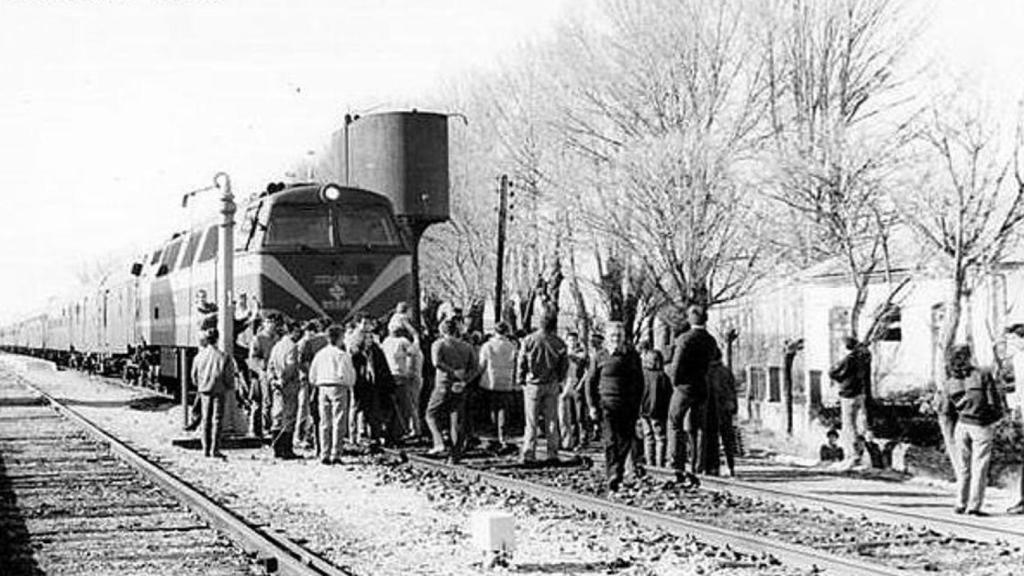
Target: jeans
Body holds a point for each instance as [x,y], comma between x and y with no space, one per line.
[444,402]
[284,407]
[212,408]
[681,406]
[655,441]
[541,399]
[974,453]
[334,409]
[568,418]
[407,393]
[304,411]
[854,424]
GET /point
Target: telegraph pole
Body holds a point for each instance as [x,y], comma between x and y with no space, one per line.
[499,275]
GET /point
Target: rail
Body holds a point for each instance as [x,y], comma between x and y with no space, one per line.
[278,555]
[794,555]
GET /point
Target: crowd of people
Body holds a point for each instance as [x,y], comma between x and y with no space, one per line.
[320,386]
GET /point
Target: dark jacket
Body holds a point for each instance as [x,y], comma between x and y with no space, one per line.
[979,401]
[617,380]
[657,387]
[852,373]
[577,368]
[692,353]
[723,386]
[543,359]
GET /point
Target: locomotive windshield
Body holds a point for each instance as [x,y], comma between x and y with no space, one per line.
[366,226]
[317,226]
[293,225]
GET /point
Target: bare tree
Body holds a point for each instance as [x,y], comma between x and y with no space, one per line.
[838,126]
[969,204]
[667,104]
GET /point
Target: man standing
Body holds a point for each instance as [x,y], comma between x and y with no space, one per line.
[722,388]
[456,365]
[853,374]
[498,365]
[616,385]
[332,374]
[283,368]
[541,369]
[572,410]
[306,420]
[691,355]
[214,375]
[400,349]
[259,354]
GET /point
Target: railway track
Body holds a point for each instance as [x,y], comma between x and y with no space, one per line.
[796,536]
[74,499]
[961,526]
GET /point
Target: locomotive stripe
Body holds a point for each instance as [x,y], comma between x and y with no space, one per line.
[395,270]
[274,271]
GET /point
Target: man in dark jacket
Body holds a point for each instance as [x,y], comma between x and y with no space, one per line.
[979,406]
[654,404]
[456,365]
[540,370]
[616,385]
[572,411]
[691,355]
[853,375]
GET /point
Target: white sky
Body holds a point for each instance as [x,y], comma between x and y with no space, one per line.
[109,111]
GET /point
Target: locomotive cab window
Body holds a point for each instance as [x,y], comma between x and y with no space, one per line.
[366,226]
[293,225]
[190,250]
[170,257]
[210,245]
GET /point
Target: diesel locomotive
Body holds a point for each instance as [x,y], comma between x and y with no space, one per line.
[324,249]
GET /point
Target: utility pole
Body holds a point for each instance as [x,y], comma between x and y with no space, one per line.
[499,275]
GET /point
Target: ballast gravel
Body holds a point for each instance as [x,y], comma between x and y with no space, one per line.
[376,517]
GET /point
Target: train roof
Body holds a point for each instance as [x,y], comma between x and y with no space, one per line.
[310,193]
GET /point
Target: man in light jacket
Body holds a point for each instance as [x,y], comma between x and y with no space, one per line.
[333,375]
[214,374]
[498,364]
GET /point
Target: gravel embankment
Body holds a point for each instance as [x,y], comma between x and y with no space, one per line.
[378,518]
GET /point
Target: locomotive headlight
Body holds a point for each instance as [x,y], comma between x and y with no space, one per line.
[330,193]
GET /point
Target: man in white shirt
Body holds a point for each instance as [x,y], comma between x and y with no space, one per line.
[401,349]
[498,366]
[334,376]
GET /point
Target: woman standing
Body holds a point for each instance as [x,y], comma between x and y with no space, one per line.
[616,385]
[979,406]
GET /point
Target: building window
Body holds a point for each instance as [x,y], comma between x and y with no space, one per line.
[774,384]
[757,383]
[815,385]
